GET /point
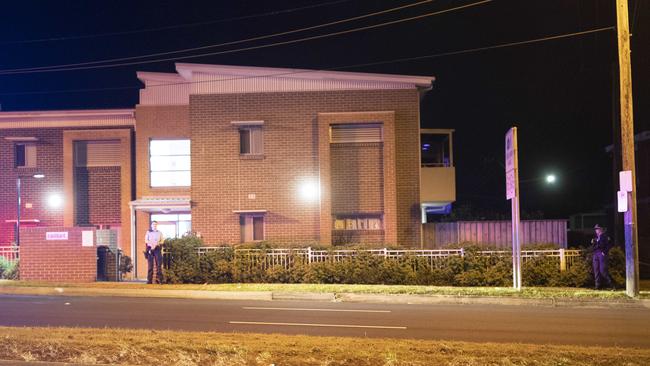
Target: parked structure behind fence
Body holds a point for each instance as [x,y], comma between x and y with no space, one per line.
[494,233]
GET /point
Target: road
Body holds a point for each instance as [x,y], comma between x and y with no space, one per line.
[627,327]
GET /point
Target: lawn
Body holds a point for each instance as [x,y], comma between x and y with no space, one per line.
[147,347]
[529,292]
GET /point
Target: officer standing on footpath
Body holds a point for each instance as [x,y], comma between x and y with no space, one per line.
[153,240]
[601,245]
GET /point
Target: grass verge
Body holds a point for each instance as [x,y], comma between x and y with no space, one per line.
[529,292]
[147,347]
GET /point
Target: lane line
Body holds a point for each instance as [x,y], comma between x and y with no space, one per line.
[307,309]
[320,325]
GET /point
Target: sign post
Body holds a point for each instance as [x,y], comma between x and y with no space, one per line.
[512,193]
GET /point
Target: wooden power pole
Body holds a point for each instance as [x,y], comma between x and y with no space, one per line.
[627,148]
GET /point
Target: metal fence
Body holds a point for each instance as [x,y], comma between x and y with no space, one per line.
[10,254]
[267,258]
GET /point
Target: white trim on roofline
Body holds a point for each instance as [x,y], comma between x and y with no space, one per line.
[188,69]
[67,118]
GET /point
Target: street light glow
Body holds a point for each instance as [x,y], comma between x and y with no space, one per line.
[550,179]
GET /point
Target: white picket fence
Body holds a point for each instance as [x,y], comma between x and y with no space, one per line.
[10,254]
[435,257]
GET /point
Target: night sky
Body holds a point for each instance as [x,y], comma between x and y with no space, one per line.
[558,93]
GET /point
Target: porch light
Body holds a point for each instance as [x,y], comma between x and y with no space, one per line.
[55,200]
[309,191]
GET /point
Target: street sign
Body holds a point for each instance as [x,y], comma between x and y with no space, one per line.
[510,149]
[511,185]
[622,201]
[511,163]
[512,193]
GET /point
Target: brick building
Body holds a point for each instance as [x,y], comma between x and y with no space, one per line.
[239,154]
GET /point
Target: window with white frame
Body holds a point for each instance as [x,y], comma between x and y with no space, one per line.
[170,163]
[25,155]
[173,225]
[251,140]
[251,227]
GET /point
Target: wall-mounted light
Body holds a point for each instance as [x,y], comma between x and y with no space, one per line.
[55,200]
[309,191]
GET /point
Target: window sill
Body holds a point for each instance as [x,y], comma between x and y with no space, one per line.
[173,188]
[358,231]
[252,156]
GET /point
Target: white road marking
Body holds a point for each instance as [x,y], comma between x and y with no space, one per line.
[320,325]
[307,309]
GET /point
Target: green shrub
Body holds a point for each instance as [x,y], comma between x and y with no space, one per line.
[183,260]
[474,269]
[9,270]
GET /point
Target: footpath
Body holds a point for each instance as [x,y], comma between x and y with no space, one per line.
[543,297]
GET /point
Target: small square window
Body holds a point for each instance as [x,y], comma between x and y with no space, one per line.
[251,228]
[25,155]
[251,141]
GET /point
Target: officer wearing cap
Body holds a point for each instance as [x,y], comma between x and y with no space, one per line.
[601,245]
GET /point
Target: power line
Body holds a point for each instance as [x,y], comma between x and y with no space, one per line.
[436,55]
[170,27]
[503,45]
[79,66]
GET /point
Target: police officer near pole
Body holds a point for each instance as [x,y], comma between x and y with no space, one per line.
[153,240]
[601,244]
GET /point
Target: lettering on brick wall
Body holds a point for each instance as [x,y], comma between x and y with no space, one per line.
[61,235]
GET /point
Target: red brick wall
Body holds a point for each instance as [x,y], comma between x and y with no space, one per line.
[97,191]
[222,181]
[56,260]
[49,161]
[157,122]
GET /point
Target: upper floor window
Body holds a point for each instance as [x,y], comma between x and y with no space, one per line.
[436,148]
[170,163]
[251,140]
[25,155]
[356,132]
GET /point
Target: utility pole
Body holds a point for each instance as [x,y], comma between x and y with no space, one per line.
[627,148]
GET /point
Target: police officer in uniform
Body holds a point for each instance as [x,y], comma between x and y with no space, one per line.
[153,240]
[601,245]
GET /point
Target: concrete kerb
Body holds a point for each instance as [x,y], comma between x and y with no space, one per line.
[325,296]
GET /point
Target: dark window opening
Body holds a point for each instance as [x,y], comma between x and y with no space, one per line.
[435,150]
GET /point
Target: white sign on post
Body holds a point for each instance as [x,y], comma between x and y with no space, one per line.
[510,150]
[622,201]
[512,193]
[511,185]
[625,180]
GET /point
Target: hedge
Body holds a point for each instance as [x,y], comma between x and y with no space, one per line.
[184,265]
[8,270]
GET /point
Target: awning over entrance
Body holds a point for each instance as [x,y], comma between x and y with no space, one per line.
[161,204]
[154,204]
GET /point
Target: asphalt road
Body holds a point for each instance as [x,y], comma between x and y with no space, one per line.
[628,327]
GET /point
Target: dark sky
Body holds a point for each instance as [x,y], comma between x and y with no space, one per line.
[558,93]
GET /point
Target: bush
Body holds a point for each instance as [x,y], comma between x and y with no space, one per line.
[227,266]
[9,270]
